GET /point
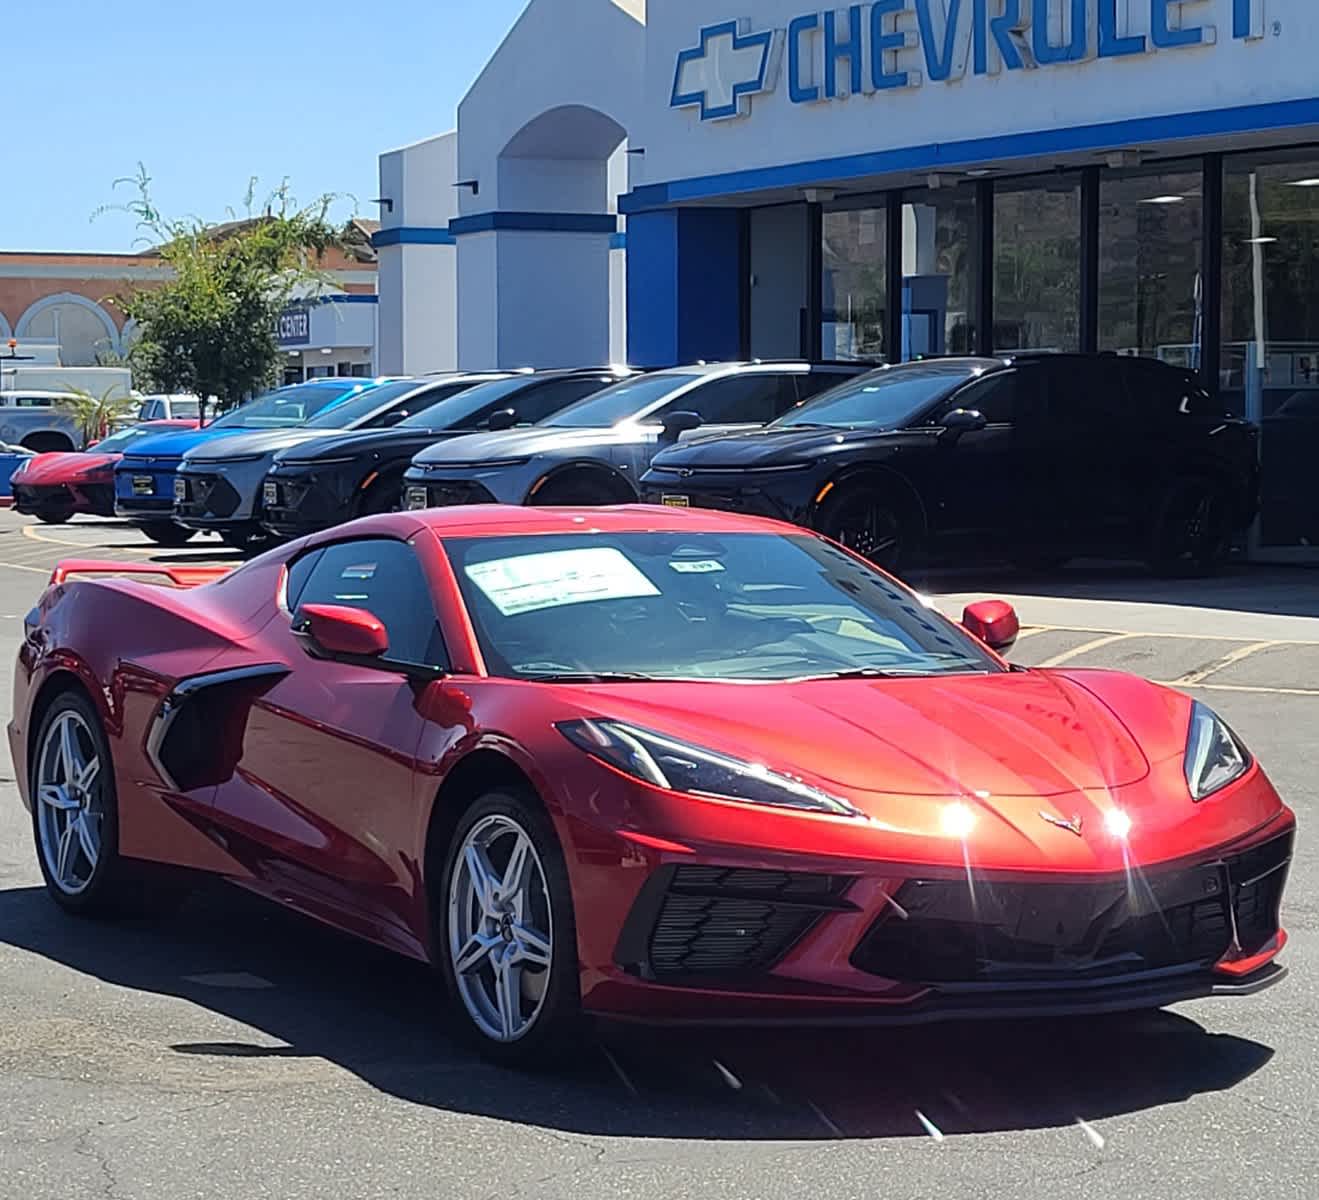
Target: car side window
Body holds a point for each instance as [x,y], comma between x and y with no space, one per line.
[997,398]
[536,403]
[751,399]
[298,572]
[384,578]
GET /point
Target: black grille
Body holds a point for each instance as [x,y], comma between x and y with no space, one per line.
[726,922]
[444,495]
[992,932]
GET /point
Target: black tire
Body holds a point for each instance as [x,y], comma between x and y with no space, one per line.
[113,887]
[166,533]
[385,495]
[556,1026]
[1192,532]
[579,491]
[872,522]
[54,518]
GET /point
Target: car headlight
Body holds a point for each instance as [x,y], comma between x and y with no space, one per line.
[679,766]
[1214,756]
[223,462]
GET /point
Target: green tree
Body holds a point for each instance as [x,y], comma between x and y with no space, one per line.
[210,328]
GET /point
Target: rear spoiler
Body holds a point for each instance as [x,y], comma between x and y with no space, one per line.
[170,576]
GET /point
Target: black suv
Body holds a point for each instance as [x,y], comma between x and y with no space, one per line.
[1037,457]
[345,475]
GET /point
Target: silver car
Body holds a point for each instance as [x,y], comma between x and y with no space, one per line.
[596,451]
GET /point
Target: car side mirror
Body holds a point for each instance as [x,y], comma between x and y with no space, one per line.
[393,418]
[994,622]
[341,634]
[505,418]
[963,420]
[678,423]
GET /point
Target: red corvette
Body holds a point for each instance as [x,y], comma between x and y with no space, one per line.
[650,764]
[52,487]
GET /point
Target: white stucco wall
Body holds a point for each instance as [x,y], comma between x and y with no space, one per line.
[418,282]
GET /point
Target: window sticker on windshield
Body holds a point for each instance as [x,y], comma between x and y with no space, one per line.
[707,566]
[559,578]
[360,571]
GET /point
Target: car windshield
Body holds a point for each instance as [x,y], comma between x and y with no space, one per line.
[731,607]
[452,411]
[883,399]
[360,406]
[291,405]
[623,402]
[117,441]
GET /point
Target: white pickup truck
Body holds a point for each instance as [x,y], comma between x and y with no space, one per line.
[30,395]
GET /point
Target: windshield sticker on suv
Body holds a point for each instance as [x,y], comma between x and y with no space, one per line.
[559,578]
[705,567]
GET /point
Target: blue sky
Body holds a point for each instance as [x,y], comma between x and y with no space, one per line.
[208,95]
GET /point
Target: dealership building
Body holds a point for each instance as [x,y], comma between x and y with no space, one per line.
[716,179]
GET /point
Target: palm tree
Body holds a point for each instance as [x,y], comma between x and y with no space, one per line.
[95,417]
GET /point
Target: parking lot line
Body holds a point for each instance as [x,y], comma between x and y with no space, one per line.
[23,567]
[1241,652]
[1067,655]
[1250,689]
[1193,637]
[37,535]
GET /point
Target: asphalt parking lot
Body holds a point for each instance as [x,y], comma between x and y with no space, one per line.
[234,1051]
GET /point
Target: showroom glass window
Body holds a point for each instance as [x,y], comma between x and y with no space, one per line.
[855,291]
[1150,291]
[1270,327]
[1037,264]
[941,255]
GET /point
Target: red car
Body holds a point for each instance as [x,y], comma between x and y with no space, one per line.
[52,487]
[650,764]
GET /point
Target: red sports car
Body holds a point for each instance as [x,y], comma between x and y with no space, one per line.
[52,487]
[650,764]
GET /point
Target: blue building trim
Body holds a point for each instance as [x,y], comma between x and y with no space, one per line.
[535,222]
[618,241]
[411,235]
[1252,118]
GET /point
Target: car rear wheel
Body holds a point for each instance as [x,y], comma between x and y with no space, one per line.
[1192,531]
[507,944]
[870,523]
[75,818]
[166,533]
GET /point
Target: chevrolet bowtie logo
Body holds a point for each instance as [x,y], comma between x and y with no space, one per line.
[1072,826]
[722,74]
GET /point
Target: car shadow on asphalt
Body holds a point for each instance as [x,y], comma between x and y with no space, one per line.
[319,995]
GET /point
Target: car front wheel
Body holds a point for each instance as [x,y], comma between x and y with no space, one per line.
[507,937]
[1192,534]
[871,524]
[166,533]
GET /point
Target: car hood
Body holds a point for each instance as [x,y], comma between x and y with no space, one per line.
[176,445]
[1007,735]
[364,442]
[769,447]
[245,443]
[528,443]
[56,468]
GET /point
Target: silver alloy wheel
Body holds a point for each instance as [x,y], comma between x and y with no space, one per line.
[70,809]
[501,929]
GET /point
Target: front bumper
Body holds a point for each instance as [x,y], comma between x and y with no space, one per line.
[297,501]
[145,492]
[781,496]
[500,485]
[219,499]
[58,499]
[721,937]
